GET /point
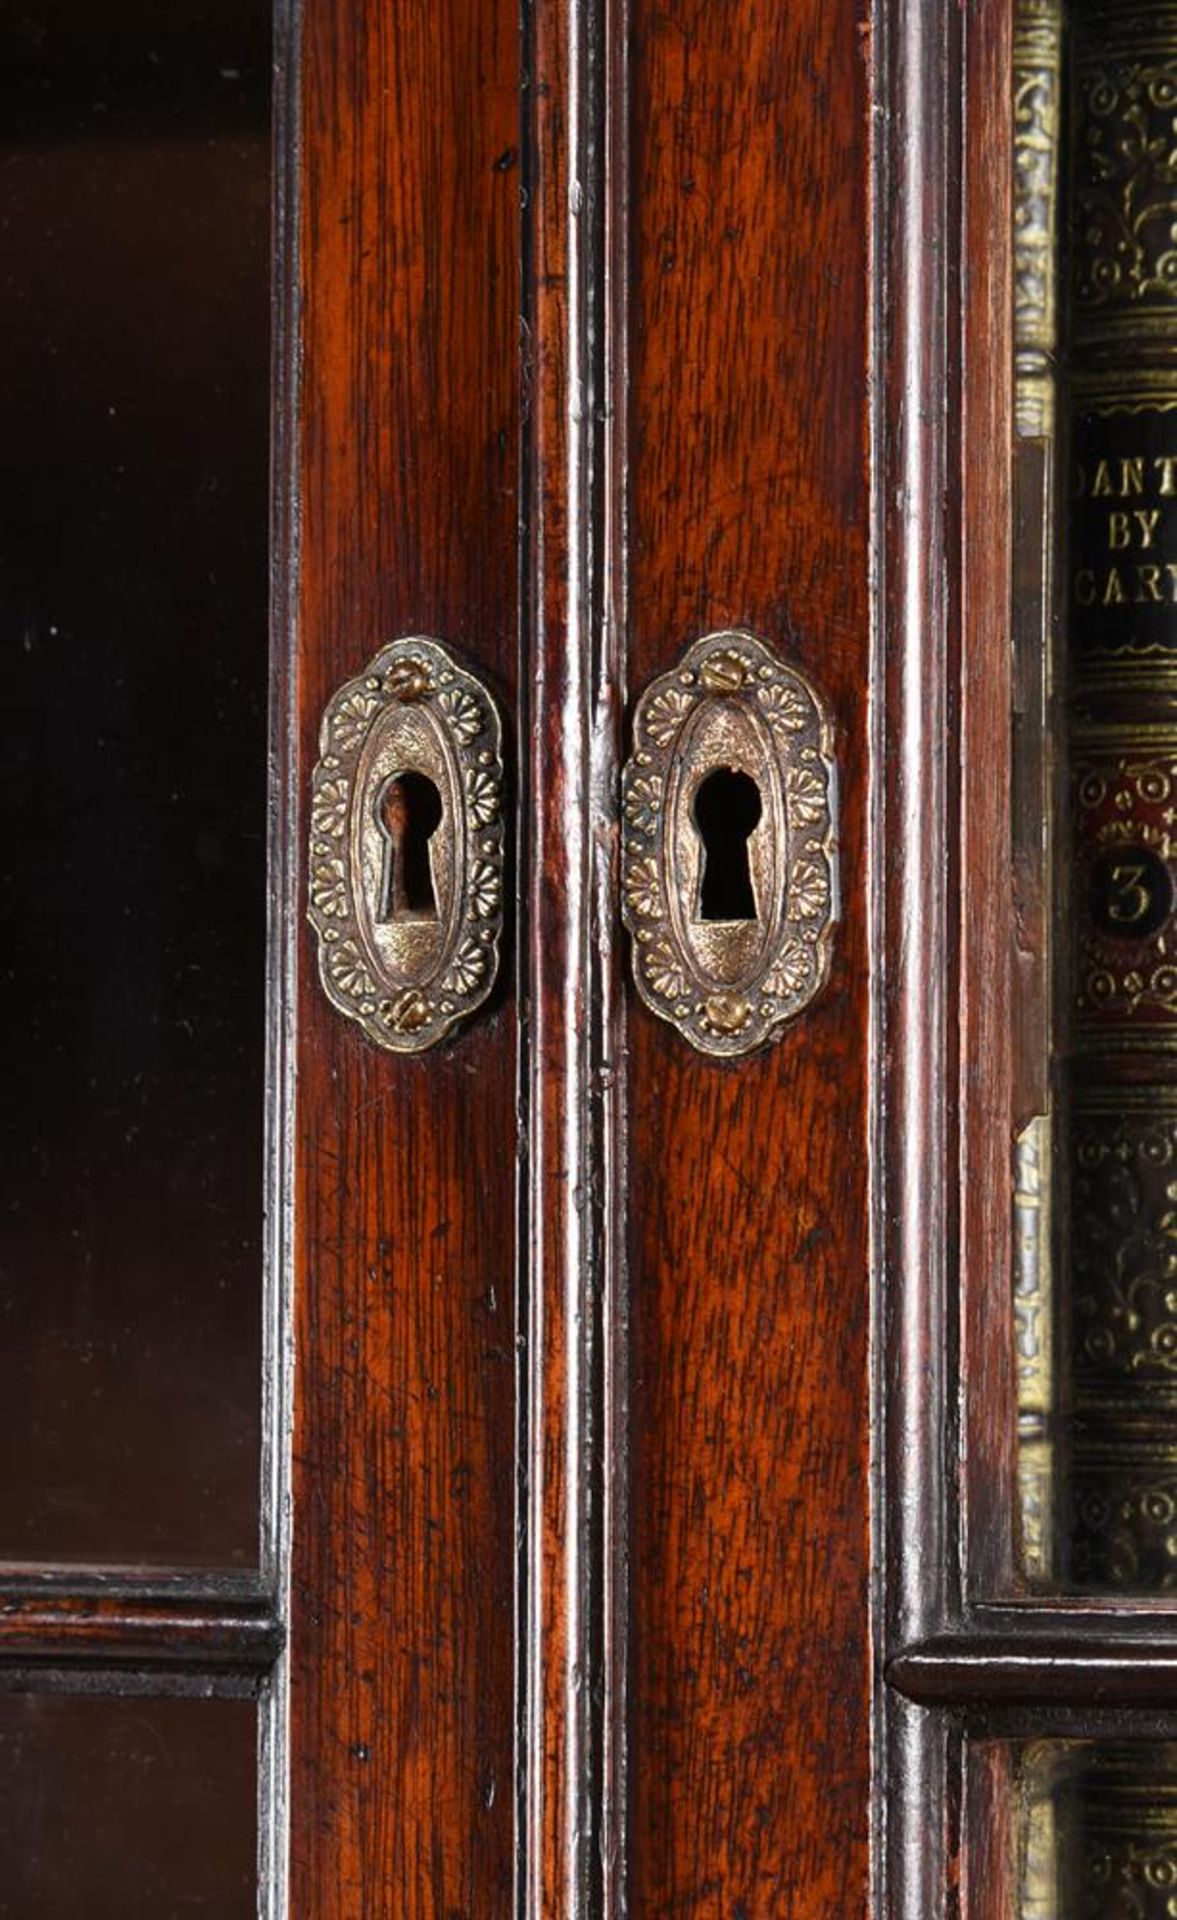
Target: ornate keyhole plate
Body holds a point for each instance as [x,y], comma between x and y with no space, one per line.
[730,707]
[413,720]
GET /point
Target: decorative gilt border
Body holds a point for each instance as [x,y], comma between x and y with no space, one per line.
[1124,187]
[1125,795]
[408,1014]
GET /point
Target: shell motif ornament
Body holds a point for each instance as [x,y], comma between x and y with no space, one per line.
[729,845]
[405,888]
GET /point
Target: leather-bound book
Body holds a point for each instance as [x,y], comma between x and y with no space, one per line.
[1116,970]
[1037,100]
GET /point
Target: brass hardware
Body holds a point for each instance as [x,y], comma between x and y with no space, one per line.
[730,866]
[406,862]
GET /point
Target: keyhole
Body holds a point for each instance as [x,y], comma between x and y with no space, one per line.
[408,812]
[727,807]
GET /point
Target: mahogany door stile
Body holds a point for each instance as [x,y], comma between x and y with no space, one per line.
[944,354]
[404,1199]
[748,505]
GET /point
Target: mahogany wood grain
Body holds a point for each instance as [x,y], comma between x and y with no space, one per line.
[553,725]
[944,345]
[748,1201]
[916,75]
[916,64]
[988,1880]
[403,1568]
[568,712]
[112,1633]
[1067,1661]
[917,1803]
[984,923]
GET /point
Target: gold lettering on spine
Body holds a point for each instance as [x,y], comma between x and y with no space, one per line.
[1120,372]
[1116,1122]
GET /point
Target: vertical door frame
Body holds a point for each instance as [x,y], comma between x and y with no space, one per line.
[966,1657]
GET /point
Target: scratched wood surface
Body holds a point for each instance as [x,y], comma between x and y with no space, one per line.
[985,891]
[559,999]
[748,479]
[403,1551]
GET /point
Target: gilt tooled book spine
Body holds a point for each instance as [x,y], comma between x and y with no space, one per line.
[1117,1017]
[1097,1829]
[1037,82]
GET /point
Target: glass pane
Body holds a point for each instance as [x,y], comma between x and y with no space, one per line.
[1095,801]
[134,373]
[1095,1836]
[112,1809]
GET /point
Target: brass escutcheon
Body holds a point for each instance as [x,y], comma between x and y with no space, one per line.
[729,849]
[406,853]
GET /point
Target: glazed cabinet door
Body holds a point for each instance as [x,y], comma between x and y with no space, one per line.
[437,1384]
[511,1382]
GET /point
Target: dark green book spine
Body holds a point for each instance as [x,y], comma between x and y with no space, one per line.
[1117,1024]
